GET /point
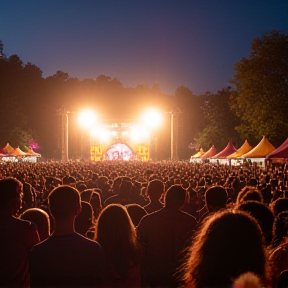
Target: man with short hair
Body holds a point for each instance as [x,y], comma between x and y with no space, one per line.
[155,189]
[164,234]
[66,258]
[215,199]
[17,236]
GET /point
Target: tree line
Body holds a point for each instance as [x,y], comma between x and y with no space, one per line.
[254,105]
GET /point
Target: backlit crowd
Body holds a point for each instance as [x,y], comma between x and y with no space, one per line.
[143,224]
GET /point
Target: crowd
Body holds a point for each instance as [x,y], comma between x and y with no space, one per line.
[143,224]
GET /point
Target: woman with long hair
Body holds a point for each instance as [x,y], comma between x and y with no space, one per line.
[229,244]
[116,234]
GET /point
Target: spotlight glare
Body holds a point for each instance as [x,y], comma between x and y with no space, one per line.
[152,118]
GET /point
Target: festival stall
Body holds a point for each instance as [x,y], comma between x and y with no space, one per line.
[6,154]
[221,157]
[3,152]
[31,156]
[208,154]
[258,153]
[280,154]
[8,148]
[196,157]
[9,154]
[235,158]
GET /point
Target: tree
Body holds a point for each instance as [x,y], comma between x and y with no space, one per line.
[2,56]
[261,81]
[189,106]
[219,121]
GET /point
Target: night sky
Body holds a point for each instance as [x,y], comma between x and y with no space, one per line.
[194,43]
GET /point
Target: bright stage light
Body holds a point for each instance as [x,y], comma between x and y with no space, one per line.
[139,134]
[152,118]
[86,118]
[100,133]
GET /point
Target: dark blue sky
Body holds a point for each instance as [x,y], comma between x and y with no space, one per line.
[194,43]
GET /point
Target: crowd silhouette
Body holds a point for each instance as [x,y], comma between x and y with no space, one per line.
[143,224]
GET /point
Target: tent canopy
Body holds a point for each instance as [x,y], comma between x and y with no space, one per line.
[31,152]
[263,148]
[210,153]
[280,152]
[9,148]
[18,152]
[245,148]
[3,151]
[198,154]
[228,150]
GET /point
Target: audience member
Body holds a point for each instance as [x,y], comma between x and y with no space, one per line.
[96,203]
[66,258]
[155,190]
[116,234]
[229,244]
[164,234]
[40,218]
[124,195]
[280,229]
[279,205]
[192,203]
[282,280]
[84,220]
[17,236]
[263,216]
[136,213]
[247,280]
[215,199]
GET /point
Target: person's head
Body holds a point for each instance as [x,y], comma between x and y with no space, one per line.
[155,189]
[114,223]
[125,189]
[40,218]
[81,186]
[263,215]
[192,194]
[247,280]
[116,234]
[84,220]
[28,195]
[242,193]
[52,182]
[175,197]
[69,180]
[86,195]
[216,198]
[282,279]
[64,202]
[11,193]
[136,213]
[253,182]
[229,244]
[279,205]
[116,184]
[253,195]
[96,203]
[280,228]
[103,184]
